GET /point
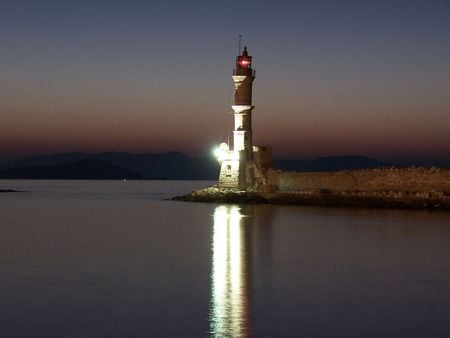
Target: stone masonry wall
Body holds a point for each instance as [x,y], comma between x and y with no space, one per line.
[231,173]
[419,180]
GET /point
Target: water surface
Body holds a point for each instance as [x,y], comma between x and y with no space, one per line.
[115,259]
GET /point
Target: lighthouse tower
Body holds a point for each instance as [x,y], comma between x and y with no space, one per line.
[242,165]
[243,77]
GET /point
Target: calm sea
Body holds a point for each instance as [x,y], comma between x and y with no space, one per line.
[116,259]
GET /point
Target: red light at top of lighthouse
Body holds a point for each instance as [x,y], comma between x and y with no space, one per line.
[244,60]
[244,63]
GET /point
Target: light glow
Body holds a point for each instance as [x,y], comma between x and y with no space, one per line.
[244,62]
[222,153]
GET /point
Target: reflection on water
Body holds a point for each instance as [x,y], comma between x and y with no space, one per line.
[112,259]
[229,309]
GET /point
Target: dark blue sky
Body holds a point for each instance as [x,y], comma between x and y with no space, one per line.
[333,77]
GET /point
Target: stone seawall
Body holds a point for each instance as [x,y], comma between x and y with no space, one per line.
[418,181]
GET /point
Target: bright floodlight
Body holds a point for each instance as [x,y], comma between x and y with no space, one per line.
[221,152]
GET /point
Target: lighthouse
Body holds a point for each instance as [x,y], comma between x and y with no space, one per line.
[243,77]
[242,165]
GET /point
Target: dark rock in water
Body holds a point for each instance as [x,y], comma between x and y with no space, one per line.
[8,190]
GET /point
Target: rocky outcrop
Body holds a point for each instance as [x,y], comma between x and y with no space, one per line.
[385,199]
[221,195]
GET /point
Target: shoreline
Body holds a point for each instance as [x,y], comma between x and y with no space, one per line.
[380,200]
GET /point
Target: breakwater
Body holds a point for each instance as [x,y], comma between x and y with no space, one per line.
[411,188]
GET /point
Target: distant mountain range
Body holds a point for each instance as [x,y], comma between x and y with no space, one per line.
[330,163]
[83,169]
[172,165]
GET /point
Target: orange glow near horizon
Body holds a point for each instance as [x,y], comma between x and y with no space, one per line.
[347,79]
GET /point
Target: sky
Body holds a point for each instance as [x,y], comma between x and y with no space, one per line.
[332,77]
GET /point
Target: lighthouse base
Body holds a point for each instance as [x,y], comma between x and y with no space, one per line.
[232,171]
[241,174]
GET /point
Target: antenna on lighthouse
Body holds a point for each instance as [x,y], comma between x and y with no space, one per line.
[240,37]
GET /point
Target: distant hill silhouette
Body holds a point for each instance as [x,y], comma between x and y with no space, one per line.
[83,169]
[329,163]
[172,165]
